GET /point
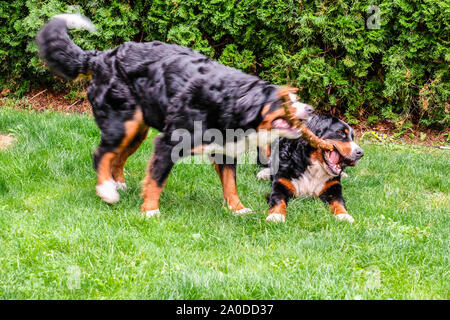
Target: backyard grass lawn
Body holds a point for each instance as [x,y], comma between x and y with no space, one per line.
[58,240]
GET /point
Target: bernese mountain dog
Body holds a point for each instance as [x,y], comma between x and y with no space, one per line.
[297,169]
[167,87]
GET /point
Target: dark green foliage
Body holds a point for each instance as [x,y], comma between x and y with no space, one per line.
[323,47]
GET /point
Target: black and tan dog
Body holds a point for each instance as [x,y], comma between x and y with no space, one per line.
[168,87]
[301,170]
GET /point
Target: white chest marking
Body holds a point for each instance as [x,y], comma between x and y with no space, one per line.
[312,181]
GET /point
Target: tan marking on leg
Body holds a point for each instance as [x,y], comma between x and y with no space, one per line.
[231,200]
[132,128]
[279,208]
[118,163]
[229,189]
[328,185]
[104,167]
[151,192]
[227,178]
[340,213]
[106,188]
[117,168]
[277,213]
[288,185]
[110,166]
[337,208]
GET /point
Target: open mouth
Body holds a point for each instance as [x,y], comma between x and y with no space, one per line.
[336,162]
[283,124]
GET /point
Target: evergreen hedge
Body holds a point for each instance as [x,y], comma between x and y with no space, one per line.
[326,48]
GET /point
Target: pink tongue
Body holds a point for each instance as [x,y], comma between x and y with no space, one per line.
[280,123]
[334,157]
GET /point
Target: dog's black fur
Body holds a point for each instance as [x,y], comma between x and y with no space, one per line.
[171,85]
[296,156]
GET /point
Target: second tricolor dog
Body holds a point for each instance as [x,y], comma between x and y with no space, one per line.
[305,171]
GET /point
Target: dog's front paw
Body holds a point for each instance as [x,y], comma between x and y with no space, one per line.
[264,174]
[107,191]
[242,212]
[345,217]
[276,217]
[152,213]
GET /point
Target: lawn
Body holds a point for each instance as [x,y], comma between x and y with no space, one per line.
[59,241]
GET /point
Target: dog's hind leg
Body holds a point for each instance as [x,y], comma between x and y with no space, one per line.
[158,170]
[106,187]
[118,163]
[227,176]
[119,140]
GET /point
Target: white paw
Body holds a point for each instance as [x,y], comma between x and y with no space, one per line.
[107,191]
[120,185]
[242,211]
[264,174]
[276,217]
[152,213]
[344,175]
[345,217]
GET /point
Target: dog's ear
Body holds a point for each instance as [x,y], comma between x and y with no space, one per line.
[319,124]
[249,107]
[249,116]
[285,93]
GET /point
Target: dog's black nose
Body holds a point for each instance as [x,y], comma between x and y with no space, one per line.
[359,153]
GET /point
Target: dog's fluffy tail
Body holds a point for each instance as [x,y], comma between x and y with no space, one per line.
[56,48]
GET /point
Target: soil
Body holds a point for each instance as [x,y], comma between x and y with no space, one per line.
[5,141]
[47,99]
[415,135]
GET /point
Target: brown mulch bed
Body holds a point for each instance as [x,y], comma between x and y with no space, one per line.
[45,99]
[63,101]
[432,138]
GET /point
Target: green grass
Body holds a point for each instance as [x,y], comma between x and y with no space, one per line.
[59,241]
